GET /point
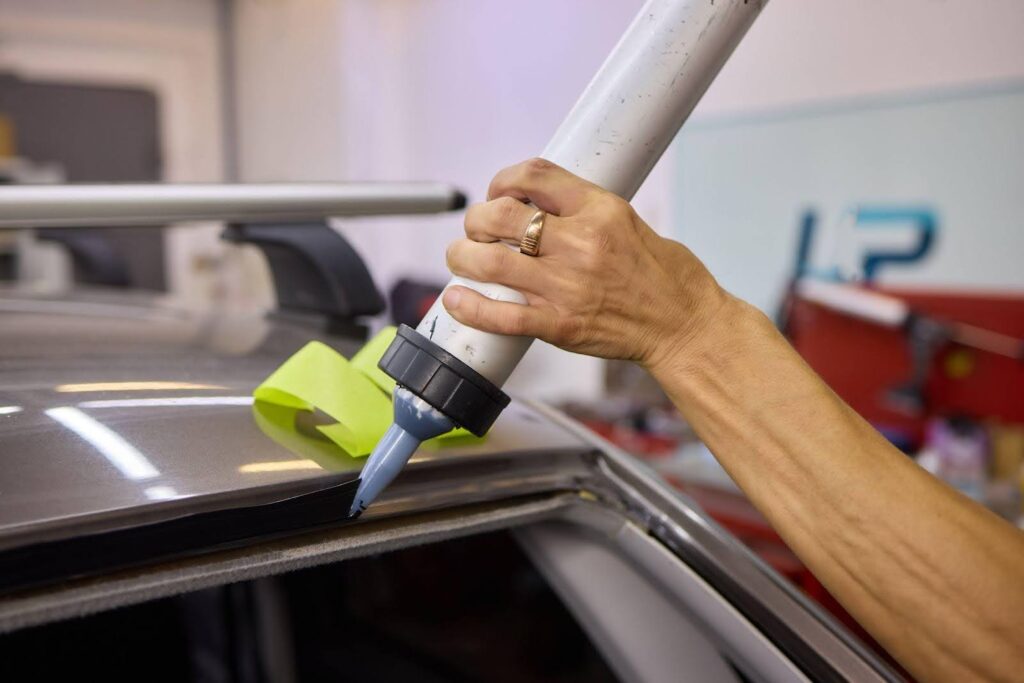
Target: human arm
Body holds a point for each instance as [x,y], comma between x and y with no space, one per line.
[934,577]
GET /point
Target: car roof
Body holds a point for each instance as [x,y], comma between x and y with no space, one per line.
[119,410]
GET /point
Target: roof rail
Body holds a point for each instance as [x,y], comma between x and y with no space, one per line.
[140,205]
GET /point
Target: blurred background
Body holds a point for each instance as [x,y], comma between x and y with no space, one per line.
[856,171]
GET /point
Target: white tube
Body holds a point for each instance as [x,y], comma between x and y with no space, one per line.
[494,356]
[646,89]
[617,131]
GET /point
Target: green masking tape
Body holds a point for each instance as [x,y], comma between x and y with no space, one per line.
[355,394]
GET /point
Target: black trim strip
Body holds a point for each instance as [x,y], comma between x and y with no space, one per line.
[41,564]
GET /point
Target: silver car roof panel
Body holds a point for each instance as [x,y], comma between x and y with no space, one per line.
[109,419]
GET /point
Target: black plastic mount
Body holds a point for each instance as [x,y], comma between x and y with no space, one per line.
[95,258]
[315,269]
[468,398]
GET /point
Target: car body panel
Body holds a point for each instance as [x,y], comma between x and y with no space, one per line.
[116,416]
[137,372]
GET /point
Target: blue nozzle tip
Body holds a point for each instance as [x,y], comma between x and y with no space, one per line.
[383,465]
[414,421]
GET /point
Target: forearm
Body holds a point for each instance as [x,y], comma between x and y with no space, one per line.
[938,580]
[935,578]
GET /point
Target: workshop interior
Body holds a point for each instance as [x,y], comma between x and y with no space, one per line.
[223,228]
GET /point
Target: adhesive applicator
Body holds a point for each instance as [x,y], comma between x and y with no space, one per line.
[450,374]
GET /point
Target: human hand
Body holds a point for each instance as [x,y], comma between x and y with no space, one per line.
[604,283]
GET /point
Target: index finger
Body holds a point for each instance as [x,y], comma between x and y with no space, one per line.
[548,186]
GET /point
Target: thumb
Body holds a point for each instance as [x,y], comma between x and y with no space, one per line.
[472,308]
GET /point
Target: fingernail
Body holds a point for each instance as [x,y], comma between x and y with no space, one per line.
[451,298]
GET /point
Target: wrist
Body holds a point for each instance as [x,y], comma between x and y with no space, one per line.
[725,326]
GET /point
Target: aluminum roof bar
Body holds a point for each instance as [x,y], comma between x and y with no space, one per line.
[29,206]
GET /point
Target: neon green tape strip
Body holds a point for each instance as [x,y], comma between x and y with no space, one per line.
[318,376]
[286,426]
[351,392]
[367,358]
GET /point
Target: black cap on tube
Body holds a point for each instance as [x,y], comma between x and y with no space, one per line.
[442,380]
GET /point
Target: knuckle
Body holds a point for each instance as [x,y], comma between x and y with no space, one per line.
[523,174]
[450,255]
[611,211]
[603,243]
[567,331]
[537,165]
[498,183]
[532,171]
[597,246]
[458,254]
[494,264]
[474,219]
[506,210]
[515,321]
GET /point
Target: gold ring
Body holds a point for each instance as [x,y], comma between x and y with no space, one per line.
[530,244]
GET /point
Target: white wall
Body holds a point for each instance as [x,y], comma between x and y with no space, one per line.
[170,48]
[804,51]
[290,76]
